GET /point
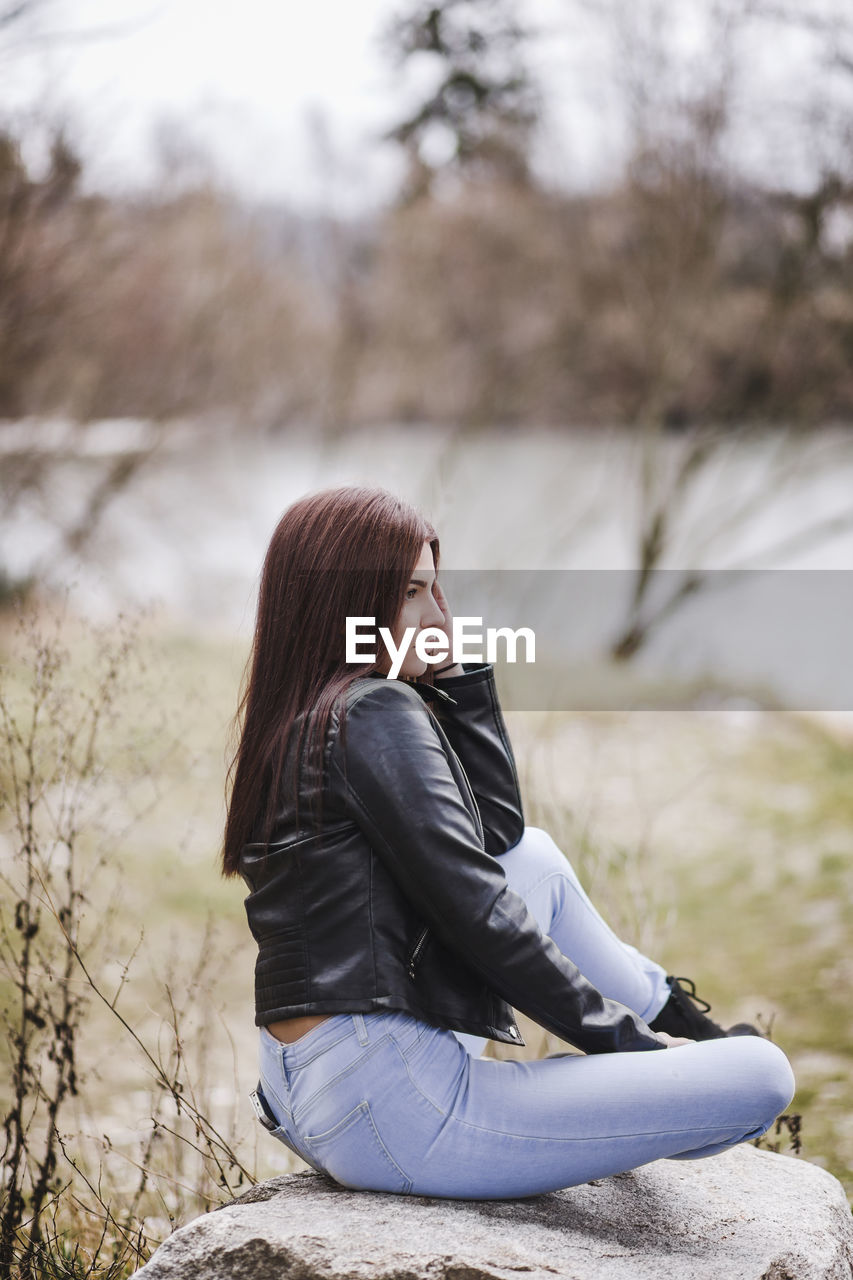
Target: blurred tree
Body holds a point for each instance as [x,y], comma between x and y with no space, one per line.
[47,230]
[32,288]
[477,116]
[44,225]
[346,253]
[718,337]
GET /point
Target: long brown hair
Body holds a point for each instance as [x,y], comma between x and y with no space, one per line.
[343,552]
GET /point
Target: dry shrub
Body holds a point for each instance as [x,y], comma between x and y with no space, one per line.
[112,1133]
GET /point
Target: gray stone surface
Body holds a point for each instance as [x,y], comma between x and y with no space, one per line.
[746,1214]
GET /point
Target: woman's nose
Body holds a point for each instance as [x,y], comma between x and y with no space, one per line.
[434,616]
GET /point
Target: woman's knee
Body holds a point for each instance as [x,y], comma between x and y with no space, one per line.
[761,1070]
[780,1082]
[536,845]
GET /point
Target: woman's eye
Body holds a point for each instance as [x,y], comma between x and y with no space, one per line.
[411,593]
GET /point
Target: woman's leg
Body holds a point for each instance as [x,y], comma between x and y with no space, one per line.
[384,1102]
[540,873]
[517,1128]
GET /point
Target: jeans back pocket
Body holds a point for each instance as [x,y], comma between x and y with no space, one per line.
[354,1155]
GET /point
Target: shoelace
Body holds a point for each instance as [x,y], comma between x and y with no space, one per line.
[706,1008]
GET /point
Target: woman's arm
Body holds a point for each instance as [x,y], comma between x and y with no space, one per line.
[477,732]
[394,777]
[474,725]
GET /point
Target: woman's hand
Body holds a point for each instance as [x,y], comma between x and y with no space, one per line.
[673,1042]
[447,627]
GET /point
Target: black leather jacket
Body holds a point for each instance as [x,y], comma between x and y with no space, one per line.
[405,907]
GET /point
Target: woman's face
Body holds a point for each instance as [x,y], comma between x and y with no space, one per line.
[420,611]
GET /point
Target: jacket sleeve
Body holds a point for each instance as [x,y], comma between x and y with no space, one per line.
[393,776]
[475,728]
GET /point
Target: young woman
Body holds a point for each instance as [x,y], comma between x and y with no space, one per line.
[402,909]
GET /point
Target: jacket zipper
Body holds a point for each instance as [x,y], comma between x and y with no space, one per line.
[416,950]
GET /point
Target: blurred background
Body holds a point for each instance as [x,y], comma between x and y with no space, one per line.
[576,278]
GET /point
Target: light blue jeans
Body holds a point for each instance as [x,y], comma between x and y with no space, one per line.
[385,1102]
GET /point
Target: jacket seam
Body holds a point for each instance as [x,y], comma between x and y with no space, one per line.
[305,948]
[498,718]
[352,697]
[370,916]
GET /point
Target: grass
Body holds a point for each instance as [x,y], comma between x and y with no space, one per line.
[787,924]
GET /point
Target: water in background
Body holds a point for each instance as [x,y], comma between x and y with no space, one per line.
[190,532]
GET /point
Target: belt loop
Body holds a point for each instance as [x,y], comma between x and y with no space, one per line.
[358,1019]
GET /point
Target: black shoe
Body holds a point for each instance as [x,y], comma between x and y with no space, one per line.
[680,1017]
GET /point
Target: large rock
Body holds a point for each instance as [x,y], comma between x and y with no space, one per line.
[746,1214]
